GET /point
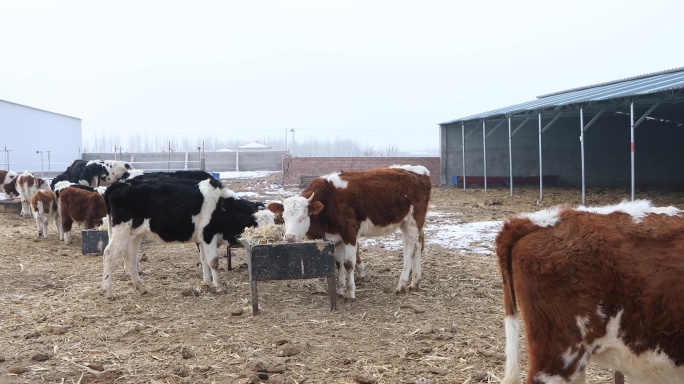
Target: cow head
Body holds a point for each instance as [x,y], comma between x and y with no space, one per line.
[296,212]
[11,175]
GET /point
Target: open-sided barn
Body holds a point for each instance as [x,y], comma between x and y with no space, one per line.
[627,132]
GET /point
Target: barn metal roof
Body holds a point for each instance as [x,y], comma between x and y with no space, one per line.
[629,87]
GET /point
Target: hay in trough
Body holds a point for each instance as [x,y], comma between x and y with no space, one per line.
[265,234]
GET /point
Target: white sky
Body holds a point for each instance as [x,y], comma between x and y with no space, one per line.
[381,72]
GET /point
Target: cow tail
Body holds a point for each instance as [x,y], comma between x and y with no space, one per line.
[513,230]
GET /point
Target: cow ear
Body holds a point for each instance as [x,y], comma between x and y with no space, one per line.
[315,208]
[276,208]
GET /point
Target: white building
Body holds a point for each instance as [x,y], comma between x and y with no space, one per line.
[38,141]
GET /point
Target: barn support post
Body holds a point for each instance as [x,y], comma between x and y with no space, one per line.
[484,149]
[584,189]
[583,128]
[631,142]
[463,153]
[510,155]
[541,174]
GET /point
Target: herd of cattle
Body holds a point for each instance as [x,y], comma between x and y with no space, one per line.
[603,284]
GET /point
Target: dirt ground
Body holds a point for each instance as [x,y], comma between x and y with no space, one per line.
[57,327]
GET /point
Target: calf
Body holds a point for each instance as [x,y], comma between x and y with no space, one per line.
[342,207]
[44,204]
[27,185]
[82,206]
[171,211]
[597,285]
[6,177]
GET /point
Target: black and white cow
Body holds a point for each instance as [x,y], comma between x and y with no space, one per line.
[172,211]
[93,173]
[142,175]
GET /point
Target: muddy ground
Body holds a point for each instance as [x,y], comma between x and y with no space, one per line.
[57,327]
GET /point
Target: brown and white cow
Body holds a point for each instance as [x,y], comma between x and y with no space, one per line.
[343,207]
[10,189]
[27,185]
[44,205]
[603,285]
[80,205]
[6,177]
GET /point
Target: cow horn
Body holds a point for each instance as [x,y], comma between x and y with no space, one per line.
[310,198]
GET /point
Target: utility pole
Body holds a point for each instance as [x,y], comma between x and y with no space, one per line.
[48,152]
[7,151]
[293,142]
[168,167]
[41,163]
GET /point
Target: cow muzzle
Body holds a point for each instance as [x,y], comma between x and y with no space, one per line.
[290,237]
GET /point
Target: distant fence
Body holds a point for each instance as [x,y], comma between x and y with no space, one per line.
[209,161]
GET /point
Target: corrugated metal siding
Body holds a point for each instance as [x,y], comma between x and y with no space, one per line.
[641,85]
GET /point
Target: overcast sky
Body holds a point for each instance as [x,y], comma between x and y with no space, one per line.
[385,73]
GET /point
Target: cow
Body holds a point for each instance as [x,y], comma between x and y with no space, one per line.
[172,211]
[93,173]
[601,284]
[10,189]
[6,178]
[82,206]
[116,169]
[44,204]
[27,185]
[343,207]
[142,175]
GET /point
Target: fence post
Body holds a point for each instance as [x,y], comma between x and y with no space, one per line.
[618,377]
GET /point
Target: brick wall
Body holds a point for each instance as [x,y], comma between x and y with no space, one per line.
[296,167]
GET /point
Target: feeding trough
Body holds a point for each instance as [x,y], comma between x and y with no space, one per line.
[94,241]
[10,205]
[289,261]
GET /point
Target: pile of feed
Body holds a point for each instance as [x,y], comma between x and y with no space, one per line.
[265,234]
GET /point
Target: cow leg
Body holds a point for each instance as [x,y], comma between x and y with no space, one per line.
[45,221]
[206,269]
[39,223]
[25,208]
[349,264]
[412,255]
[360,265]
[131,259]
[121,235]
[210,252]
[341,271]
[59,227]
[66,228]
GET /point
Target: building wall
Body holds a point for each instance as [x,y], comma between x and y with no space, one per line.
[658,156]
[294,168]
[26,130]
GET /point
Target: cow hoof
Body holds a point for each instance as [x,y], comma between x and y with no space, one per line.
[400,290]
[350,299]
